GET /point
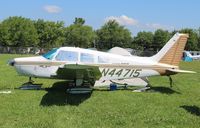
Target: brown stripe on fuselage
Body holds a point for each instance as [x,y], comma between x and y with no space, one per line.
[54,63]
[134,66]
[162,70]
[46,63]
[57,63]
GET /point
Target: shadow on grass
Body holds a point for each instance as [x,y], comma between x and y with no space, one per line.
[192,109]
[57,95]
[165,90]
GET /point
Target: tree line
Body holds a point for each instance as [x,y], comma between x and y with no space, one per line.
[23,32]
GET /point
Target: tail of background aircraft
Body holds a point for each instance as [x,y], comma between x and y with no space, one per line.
[172,52]
[188,54]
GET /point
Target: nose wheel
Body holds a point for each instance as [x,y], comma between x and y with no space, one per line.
[30,81]
[30,85]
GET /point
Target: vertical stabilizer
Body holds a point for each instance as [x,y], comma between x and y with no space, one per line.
[172,52]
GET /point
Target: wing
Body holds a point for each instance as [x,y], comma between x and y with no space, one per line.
[76,71]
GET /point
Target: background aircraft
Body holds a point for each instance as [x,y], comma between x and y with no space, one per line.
[85,67]
[193,57]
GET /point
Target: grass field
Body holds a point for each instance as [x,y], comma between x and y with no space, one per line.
[161,107]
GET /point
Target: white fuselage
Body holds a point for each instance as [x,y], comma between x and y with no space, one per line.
[111,66]
[80,64]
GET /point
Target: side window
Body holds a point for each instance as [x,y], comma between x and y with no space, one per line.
[67,56]
[103,59]
[86,57]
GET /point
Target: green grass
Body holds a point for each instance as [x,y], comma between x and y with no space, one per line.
[161,107]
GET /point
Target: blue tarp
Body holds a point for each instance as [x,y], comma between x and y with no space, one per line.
[113,87]
[187,59]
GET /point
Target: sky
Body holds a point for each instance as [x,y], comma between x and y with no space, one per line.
[136,15]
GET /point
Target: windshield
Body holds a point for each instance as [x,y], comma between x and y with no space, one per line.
[67,56]
[49,55]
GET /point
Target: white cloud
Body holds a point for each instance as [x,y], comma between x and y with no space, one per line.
[134,24]
[158,26]
[52,9]
[123,20]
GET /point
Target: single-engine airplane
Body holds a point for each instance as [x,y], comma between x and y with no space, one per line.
[87,66]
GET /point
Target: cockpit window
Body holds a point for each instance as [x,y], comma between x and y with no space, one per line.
[67,56]
[49,55]
[86,57]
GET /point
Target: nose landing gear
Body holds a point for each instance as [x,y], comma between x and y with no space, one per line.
[30,85]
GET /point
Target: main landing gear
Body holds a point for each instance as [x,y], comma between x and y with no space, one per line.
[170,81]
[79,86]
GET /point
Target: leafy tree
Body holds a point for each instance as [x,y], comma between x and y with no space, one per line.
[1,43]
[111,34]
[198,44]
[79,35]
[174,32]
[192,43]
[143,40]
[161,37]
[198,34]
[79,21]
[51,34]
[18,31]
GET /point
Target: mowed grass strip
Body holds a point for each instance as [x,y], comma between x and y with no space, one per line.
[162,106]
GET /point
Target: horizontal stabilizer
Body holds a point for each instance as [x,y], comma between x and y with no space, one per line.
[180,71]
